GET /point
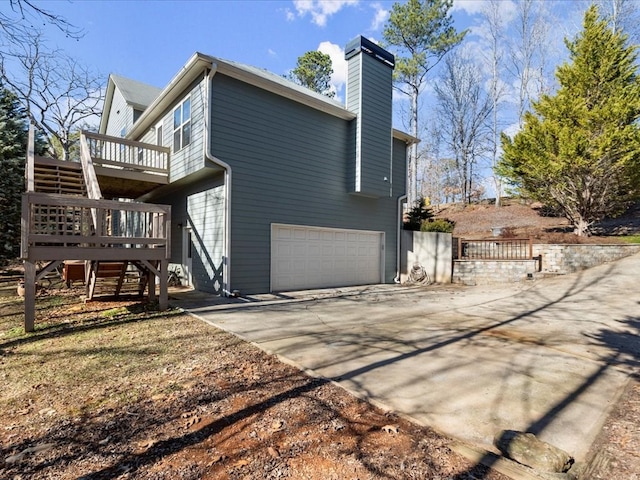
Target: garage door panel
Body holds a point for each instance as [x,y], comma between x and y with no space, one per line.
[299,234]
[313,257]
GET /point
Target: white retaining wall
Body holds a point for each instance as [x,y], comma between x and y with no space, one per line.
[431,250]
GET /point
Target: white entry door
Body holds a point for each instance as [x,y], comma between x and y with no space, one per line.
[305,257]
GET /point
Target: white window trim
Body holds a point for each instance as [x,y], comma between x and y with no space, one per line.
[180,106]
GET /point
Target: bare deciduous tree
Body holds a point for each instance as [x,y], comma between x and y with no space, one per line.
[623,15]
[528,53]
[494,24]
[422,33]
[58,93]
[25,16]
[464,108]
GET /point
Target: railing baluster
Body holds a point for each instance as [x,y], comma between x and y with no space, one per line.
[135,155]
[495,249]
[61,220]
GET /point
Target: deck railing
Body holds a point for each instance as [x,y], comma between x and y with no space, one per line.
[495,249]
[114,152]
[88,172]
[59,221]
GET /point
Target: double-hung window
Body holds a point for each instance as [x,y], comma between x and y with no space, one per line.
[182,125]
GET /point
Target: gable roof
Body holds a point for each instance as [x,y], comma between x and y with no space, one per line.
[200,65]
[138,95]
[281,85]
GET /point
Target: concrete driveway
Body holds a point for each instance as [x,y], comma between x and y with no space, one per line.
[550,356]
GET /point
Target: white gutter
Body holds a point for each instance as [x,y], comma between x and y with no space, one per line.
[226,265]
[401,200]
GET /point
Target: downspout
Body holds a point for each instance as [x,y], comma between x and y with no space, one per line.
[226,264]
[401,200]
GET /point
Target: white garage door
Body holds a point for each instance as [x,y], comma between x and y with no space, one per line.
[312,257]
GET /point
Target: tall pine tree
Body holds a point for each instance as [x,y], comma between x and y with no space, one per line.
[579,150]
[13,147]
[420,33]
[314,70]
[14,133]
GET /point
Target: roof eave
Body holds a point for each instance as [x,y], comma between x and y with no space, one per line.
[405,137]
[199,62]
[191,70]
[106,107]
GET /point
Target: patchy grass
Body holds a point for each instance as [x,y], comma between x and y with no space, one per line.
[87,348]
[630,238]
[114,390]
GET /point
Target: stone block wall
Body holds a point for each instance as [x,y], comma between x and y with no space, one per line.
[563,259]
[436,253]
[485,272]
[550,259]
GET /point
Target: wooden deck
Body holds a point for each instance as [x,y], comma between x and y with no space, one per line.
[126,169]
[65,217]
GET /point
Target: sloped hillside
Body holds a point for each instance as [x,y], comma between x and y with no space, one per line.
[519,219]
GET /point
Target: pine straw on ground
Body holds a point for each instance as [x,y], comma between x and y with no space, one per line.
[109,390]
[524,220]
[113,390]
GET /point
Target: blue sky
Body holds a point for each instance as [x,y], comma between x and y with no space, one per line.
[150,40]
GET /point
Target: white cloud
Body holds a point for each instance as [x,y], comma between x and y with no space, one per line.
[272,53]
[339,64]
[381,15]
[471,7]
[512,130]
[507,8]
[290,15]
[321,10]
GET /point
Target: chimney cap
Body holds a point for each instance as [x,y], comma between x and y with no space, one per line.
[362,44]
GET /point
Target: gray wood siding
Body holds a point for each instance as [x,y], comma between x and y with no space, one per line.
[290,165]
[205,211]
[353,104]
[399,181]
[201,205]
[375,123]
[369,95]
[120,115]
[191,158]
[353,84]
[150,135]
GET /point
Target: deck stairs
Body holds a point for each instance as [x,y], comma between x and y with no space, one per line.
[116,278]
[52,176]
[58,177]
[123,244]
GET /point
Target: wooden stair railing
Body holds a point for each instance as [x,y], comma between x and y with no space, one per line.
[67,222]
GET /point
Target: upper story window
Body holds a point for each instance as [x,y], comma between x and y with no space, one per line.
[182,125]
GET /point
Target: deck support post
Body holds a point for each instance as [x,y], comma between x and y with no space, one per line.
[163,304]
[29,296]
[151,282]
